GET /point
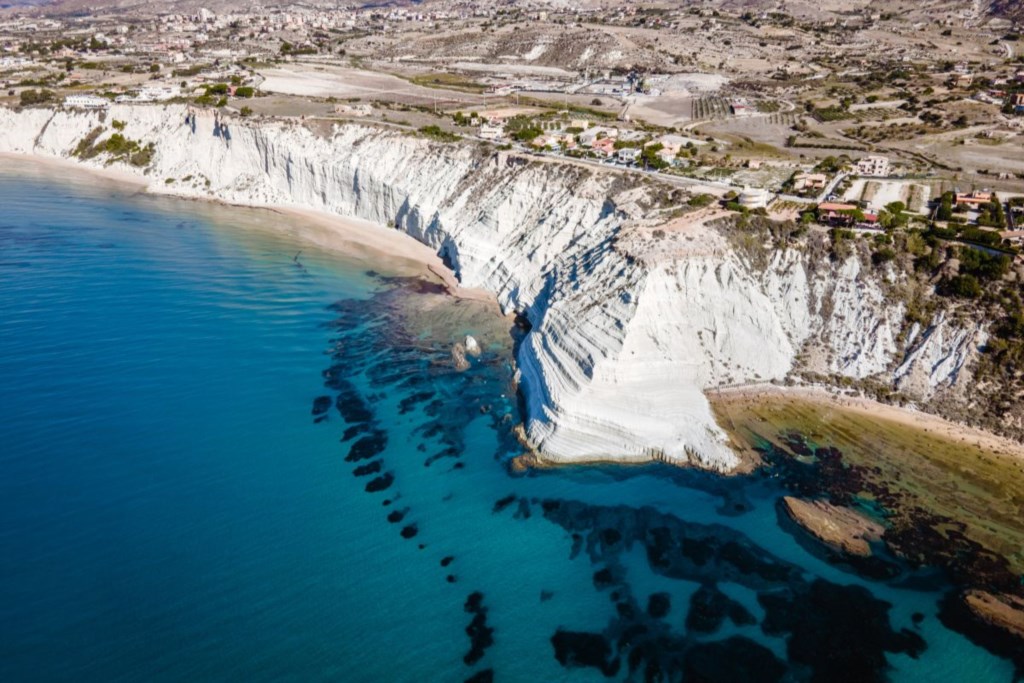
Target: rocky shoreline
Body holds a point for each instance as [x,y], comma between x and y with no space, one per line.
[634,312]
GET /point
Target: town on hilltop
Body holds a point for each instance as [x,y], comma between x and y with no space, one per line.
[848,116]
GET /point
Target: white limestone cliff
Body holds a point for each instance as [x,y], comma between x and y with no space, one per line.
[628,331]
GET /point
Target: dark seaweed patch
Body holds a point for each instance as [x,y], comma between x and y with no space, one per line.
[481,636]
[372,467]
[484,676]
[349,403]
[841,632]
[410,531]
[380,483]
[709,608]
[368,446]
[503,503]
[321,404]
[580,649]
[736,659]
[659,605]
[818,619]
[410,402]
[353,431]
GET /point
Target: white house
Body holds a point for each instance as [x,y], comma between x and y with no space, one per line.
[86,102]
[628,155]
[490,131]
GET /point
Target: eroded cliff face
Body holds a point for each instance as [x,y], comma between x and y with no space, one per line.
[633,319]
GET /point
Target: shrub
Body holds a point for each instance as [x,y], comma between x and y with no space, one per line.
[245,91]
[30,97]
[435,132]
[962,286]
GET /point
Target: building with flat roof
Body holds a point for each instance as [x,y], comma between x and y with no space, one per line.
[874,166]
[86,102]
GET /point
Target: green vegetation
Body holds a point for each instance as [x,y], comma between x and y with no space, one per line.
[523,129]
[117,147]
[289,49]
[245,91]
[649,157]
[30,97]
[701,200]
[437,133]
[447,81]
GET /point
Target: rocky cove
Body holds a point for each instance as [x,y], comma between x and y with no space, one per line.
[637,305]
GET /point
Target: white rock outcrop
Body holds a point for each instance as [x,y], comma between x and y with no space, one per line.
[623,345]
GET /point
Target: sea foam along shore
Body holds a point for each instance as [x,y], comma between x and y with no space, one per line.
[625,336]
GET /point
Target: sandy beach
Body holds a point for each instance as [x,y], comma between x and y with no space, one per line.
[927,422]
[397,251]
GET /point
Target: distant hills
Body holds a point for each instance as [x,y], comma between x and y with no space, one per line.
[1008,9]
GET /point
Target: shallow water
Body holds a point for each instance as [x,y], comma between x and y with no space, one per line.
[172,510]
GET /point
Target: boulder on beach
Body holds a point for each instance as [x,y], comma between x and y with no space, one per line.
[459,357]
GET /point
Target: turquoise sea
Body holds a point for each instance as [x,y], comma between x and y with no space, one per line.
[178,505]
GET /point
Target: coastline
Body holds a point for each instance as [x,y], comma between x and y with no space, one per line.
[328,231]
[407,256]
[907,417]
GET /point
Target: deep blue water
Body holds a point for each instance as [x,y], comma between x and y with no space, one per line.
[172,511]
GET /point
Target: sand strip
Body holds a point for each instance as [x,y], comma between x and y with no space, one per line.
[326,230]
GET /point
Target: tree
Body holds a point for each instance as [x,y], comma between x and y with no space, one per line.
[30,97]
[650,157]
[945,211]
[963,286]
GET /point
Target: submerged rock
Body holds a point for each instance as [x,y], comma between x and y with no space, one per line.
[1002,611]
[994,621]
[840,528]
[459,357]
